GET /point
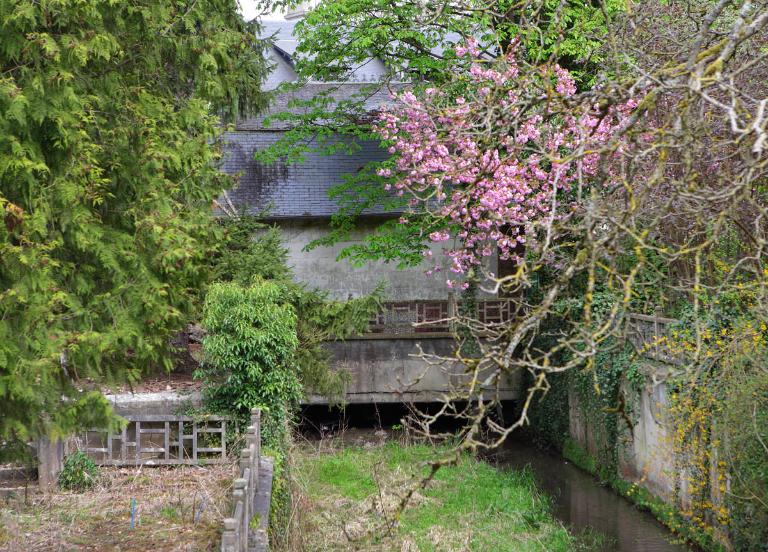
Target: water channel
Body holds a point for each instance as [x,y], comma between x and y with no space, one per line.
[581,503]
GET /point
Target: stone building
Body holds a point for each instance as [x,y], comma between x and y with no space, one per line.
[295,196]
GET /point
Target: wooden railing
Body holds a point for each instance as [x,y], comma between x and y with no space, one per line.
[159,440]
[237,528]
[402,318]
[651,337]
[167,440]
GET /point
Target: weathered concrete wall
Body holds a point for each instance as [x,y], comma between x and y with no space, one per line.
[317,268]
[589,437]
[390,370]
[646,455]
[142,404]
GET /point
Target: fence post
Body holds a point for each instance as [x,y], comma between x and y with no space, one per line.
[256,423]
[240,496]
[246,470]
[250,441]
[229,536]
[50,460]
[255,462]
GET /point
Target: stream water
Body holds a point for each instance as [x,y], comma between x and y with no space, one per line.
[581,503]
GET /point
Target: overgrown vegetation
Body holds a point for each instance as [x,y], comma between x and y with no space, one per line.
[79,473]
[663,207]
[719,414]
[716,421]
[110,114]
[348,497]
[177,508]
[265,343]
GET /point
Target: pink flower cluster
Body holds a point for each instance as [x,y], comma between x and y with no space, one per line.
[488,162]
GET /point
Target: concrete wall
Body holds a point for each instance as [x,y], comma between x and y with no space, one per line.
[390,370]
[646,455]
[318,268]
[144,404]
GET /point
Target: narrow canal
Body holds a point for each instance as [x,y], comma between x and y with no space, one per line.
[582,504]
[579,501]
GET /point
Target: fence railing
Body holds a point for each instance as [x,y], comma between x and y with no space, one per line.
[651,337]
[167,440]
[433,317]
[159,440]
[235,537]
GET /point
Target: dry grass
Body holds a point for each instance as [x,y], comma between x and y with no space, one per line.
[178,508]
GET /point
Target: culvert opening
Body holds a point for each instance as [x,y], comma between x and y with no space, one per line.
[324,420]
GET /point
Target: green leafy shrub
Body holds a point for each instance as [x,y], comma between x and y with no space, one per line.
[79,473]
[249,352]
[252,251]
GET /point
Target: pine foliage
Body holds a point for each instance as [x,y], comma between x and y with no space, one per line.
[109,120]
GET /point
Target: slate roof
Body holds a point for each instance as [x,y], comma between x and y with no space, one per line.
[297,190]
[288,191]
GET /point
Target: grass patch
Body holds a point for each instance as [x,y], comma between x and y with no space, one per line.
[347,499]
[345,473]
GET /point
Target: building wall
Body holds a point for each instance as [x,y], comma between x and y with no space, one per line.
[391,370]
[318,268]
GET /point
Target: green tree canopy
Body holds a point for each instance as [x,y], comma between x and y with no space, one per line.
[109,119]
[415,40]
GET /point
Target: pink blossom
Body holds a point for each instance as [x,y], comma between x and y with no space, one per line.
[439,236]
[488,187]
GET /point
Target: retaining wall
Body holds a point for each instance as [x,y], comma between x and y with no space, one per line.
[646,454]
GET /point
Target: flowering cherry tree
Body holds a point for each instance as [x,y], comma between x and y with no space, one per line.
[496,156]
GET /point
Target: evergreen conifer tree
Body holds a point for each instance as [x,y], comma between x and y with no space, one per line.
[109,118]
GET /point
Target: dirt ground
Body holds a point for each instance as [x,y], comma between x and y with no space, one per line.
[178,508]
